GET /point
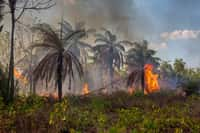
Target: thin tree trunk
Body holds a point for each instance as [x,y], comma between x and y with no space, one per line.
[59,76]
[11,65]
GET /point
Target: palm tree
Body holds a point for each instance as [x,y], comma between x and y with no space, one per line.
[166,70]
[59,62]
[136,58]
[109,51]
[180,70]
[79,47]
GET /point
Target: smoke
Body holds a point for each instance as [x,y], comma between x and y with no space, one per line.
[120,16]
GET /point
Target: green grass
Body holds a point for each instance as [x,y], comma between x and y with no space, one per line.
[116,113]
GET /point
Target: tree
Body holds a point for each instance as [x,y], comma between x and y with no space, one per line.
[166,70]
[179,66]
[59,62]
[179,69]
[78,46]
[137,57]
[109,51]
[1,13]
[17,9]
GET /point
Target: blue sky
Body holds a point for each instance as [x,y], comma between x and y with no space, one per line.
[169,16]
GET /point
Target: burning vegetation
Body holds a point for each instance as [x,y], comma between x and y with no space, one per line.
[122,72]
[19,76]
[151,80]
[85,89]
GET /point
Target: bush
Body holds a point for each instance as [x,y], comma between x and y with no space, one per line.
[191,87]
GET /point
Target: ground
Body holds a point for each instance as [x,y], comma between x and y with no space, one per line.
[117,113]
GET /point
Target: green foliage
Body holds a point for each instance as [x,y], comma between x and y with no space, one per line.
[191,87]
[139,94]
[116,129]
[161,112]
[130,117]
[59,112]
[99,104]
[179,66]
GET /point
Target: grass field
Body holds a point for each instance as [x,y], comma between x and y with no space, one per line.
[116,113]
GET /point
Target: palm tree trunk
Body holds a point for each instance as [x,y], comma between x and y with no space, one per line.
[143,79]
[111,75]
[59,76]
[31,77]
[11,65]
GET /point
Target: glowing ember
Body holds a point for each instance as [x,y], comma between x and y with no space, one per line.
[85,89]
[19,76]
[131,90]
[151,80]
[53,95]
[46,94]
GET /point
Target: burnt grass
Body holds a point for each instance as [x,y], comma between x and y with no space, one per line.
[163,112]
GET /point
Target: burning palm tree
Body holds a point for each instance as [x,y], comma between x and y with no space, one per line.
[59,62]
[109,51]
[137,58]
[78,47]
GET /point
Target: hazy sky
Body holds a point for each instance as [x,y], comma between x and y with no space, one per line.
[171,26]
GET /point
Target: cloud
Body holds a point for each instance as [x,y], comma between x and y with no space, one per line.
[180,34]
[158,46]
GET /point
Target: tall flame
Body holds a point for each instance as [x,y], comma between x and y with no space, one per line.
[85,89]
[19,76]
[151,80]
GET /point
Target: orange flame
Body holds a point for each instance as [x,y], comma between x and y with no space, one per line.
[19,76]
[151,80]
[85,89]
[46,94]
[131,90]
[54,95]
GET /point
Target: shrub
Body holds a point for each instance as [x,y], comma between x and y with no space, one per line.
[130,117]
[191,87]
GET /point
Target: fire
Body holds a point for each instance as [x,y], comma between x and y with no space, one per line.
[151,80]
[19,76]
[54,95]
[46,94]
[131,90]
[85,89]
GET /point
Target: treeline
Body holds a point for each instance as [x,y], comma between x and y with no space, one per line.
[57,54]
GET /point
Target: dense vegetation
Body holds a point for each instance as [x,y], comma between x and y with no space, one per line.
[116,113]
